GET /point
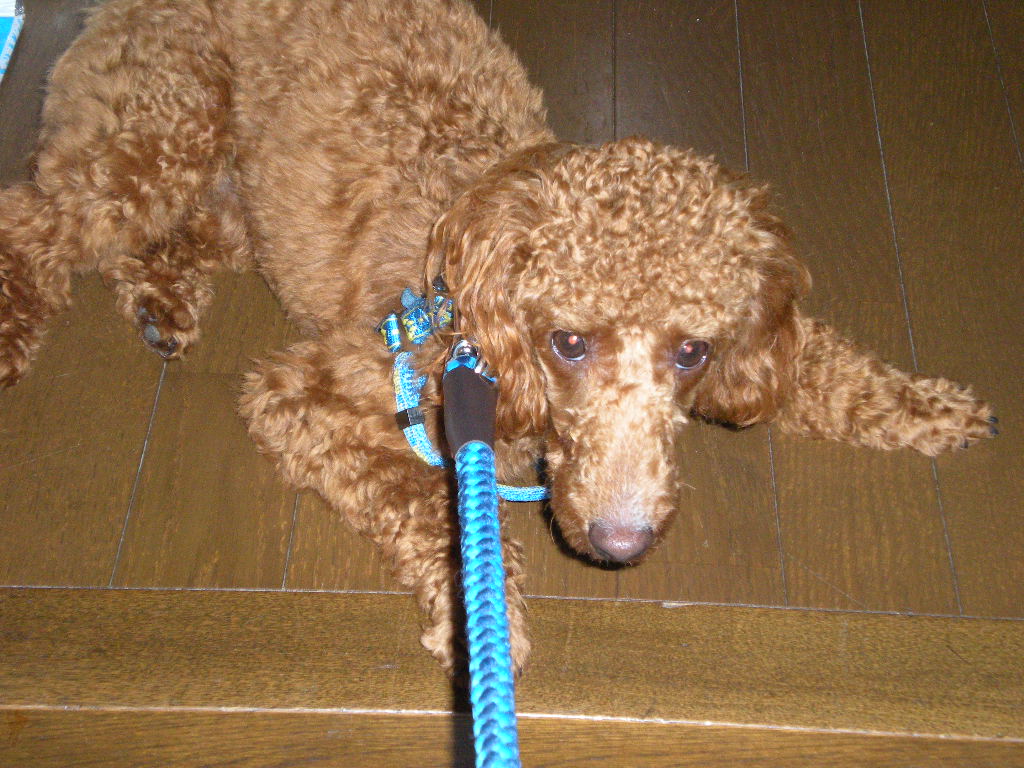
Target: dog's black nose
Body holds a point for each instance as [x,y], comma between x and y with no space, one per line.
[619,543]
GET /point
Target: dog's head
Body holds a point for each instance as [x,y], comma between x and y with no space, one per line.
[618,290]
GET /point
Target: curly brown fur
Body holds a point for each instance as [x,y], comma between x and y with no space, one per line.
[357,148]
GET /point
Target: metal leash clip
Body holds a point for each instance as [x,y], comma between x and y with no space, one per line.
[466,354]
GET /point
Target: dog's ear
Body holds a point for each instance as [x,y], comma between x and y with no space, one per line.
[757,372]
[481,246]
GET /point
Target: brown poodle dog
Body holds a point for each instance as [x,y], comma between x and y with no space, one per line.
[353,149]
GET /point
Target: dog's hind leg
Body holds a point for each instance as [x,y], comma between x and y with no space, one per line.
[845,393]
[134,141]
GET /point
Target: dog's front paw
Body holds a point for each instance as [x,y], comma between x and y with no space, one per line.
[167,324]
[439,638]
[943,416]
[164,300]
[446,644]
[520,647]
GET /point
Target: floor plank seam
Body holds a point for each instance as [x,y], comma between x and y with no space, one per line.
[138,475]
[291,540]
[947,536]
[778,519]
[821,578]
[615,69]
[888,191]
[1002,84]
[521,715]
[739,74]
[746,167]
[667,604]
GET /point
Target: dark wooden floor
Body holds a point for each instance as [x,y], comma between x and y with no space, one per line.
[892,135]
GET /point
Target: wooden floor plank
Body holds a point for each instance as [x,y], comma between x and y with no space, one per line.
[678,81]
[568,50]
[722,546]
[71,436]
[328,554]
[678,76]
[957,194]
[97,739]
[859,530]
[672,662]
[210,511]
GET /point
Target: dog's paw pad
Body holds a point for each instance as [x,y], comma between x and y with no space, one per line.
[160,336]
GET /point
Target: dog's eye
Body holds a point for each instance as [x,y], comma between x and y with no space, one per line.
[693,354]
[569,345]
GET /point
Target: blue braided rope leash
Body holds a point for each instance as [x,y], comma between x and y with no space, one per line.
[470,398]
[492,688]
[470,395]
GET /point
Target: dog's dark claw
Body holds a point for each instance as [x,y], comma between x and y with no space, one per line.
[965,444]
[166,347]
